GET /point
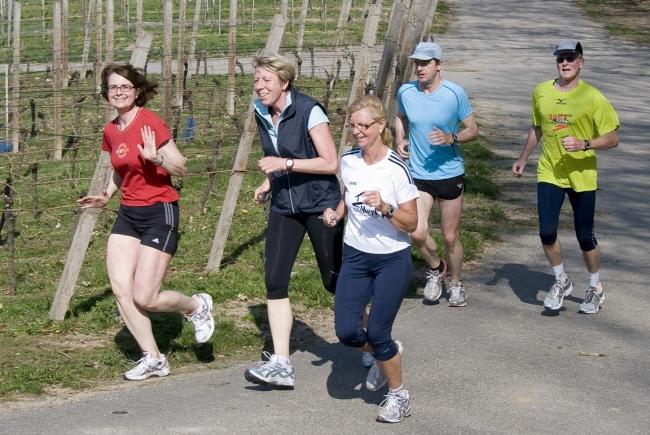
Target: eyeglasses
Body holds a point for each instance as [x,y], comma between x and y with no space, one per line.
[122,88]
[361,127]
[568,57]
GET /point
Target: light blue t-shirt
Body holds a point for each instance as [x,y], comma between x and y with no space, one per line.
[443,109]
[316,116]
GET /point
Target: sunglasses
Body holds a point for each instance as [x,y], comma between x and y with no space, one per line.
[568,57]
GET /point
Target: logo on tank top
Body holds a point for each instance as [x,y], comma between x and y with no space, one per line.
[122,150]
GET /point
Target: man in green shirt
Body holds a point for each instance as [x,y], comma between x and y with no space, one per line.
[572,119]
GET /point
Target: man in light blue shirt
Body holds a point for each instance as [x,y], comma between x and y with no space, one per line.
[427,130]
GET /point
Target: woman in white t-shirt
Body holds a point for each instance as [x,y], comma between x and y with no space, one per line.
[380,203]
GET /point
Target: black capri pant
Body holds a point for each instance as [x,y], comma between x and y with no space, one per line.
[284,236]
[549,203]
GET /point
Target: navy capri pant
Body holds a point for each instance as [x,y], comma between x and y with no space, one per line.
[382,278]
[549,203]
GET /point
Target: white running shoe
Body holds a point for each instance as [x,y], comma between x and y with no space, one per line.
[272,372]
[561,289]
[457,296]
[395,408]
[148,366]
[202,318]
[435,279]
[594,298]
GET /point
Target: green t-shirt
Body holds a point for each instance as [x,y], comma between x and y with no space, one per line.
[583,112]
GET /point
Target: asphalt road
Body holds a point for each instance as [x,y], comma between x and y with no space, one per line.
[499,364]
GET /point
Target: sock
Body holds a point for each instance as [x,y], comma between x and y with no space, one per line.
[283,360]
[398,389]
[558,271]
[594,279]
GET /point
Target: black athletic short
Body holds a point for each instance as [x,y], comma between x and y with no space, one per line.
[154,225]
[449,188]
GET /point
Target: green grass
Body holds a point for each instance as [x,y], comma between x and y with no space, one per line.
[629,19]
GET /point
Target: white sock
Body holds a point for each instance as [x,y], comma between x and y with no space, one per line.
[285,361]
[594,279]
[398,389]
[558,271]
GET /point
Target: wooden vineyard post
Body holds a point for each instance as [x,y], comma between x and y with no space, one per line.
[232,40]
[110,31]
[57,82]
[241,159]
[180,57]
[409,38]
[15,83]
[387,63]
[168,24]
[361,71]
[88,217]
[86,43]
[191,57]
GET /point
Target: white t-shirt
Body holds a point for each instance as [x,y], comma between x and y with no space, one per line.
[366,229]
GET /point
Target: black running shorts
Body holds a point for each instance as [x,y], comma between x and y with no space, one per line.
[154,225]
[449,188]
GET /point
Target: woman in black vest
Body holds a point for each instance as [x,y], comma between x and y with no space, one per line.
[300,162]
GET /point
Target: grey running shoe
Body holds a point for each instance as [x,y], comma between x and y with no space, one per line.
[395,407]
[202,318]
[433,288]
[562,288]
[367,359]
[272,373]
[457,296]
[148,366]
[594,298]
[376,379]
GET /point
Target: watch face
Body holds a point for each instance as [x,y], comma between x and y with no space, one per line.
[289,163]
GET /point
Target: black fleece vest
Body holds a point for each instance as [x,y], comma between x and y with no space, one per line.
[295,192]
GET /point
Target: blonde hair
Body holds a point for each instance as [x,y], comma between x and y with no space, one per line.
[377,113]
[279,65]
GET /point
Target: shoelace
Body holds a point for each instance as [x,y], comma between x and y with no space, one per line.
[590,294]
[433,274]
[455,288]
[391,402]
[268,356]
[557,289]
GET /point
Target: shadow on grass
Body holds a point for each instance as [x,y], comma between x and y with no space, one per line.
[87,304]
[346,376]
[244,246]
[167,327]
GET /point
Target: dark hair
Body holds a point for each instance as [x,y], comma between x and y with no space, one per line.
[146,89]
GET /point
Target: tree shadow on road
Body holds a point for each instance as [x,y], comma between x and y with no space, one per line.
[526,283]
[347,375]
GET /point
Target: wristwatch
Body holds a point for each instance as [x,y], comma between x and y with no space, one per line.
[289,164]
[454,138]
[587,145]
[390,212]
